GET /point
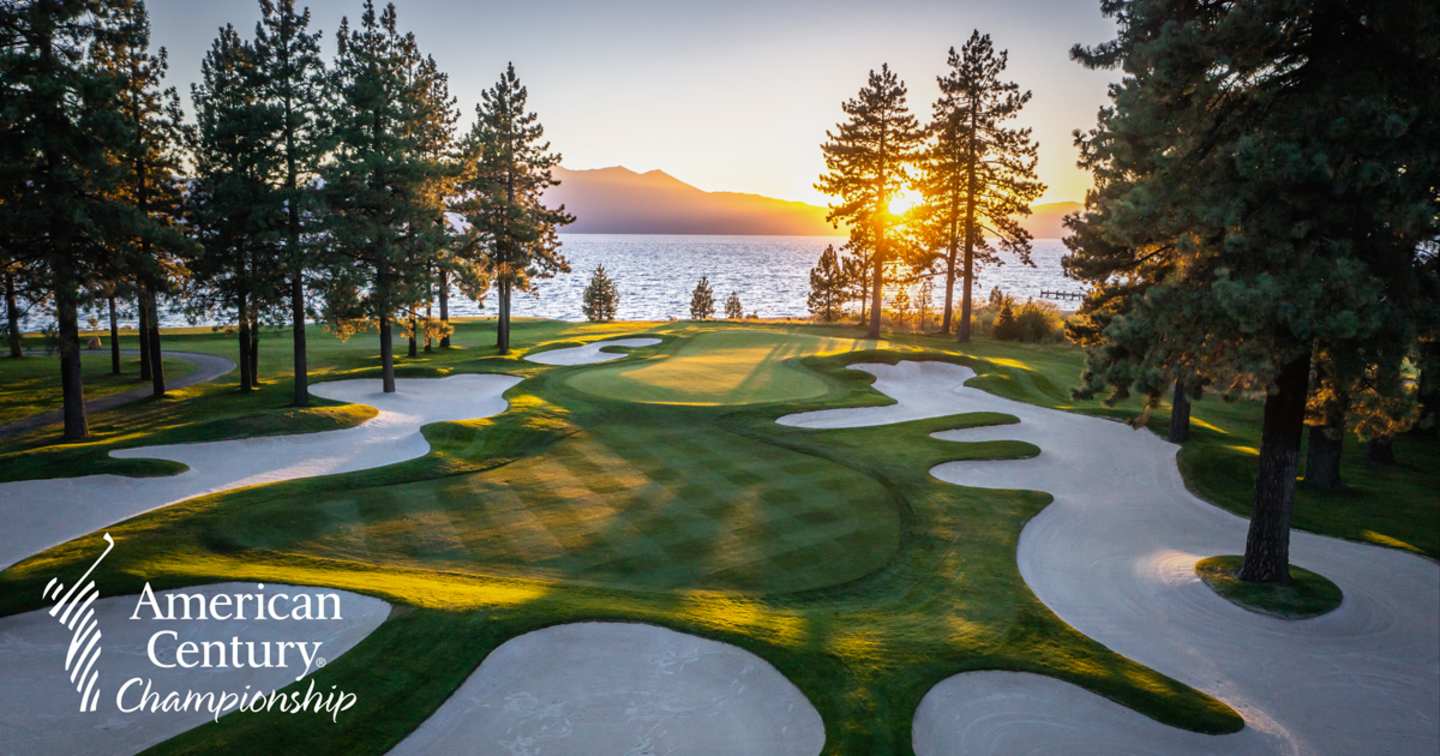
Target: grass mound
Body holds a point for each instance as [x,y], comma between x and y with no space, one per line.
[1307,595]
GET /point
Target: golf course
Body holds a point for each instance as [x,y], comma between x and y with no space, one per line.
[874,539]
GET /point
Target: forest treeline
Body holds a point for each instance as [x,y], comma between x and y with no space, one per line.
[303,188]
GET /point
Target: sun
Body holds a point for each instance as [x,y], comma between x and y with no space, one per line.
[903,202]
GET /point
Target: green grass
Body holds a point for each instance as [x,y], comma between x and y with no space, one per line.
[832,554]
[725,367]
[31,384]
[1308,594]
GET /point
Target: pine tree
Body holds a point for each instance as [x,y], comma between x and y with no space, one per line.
[601,297]
[867,160]
[292,73]
[733,309]
[827,286]
[855,272]
[152,161]
[1212,239]
[234,209]
[702,300]
[509,169]
[902,307]
[62,209]
[384,188]
[978,173]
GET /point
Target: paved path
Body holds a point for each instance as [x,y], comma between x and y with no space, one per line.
[208,367]
[1114,556]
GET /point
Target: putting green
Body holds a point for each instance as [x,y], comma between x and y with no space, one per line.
[719,368]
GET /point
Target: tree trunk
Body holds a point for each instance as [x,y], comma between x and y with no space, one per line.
[12,315]
[114,340]
[142,314]
[243,319]
[1179,415]
[254,349]
[387,355]
[877,281]
[948,317]
[963,331]
[1381,450]
[429,298]
[1428,388]
[414,326]
[1322,458]
[445,306]
[152,346]
[72,383]
[297,331]
[502,324]
[1267,546]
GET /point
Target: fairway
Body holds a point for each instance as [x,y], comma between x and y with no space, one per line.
[657,489]
[719,368]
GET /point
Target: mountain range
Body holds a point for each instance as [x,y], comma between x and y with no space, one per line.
[617,200]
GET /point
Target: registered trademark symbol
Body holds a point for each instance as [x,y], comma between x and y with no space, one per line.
[320,662]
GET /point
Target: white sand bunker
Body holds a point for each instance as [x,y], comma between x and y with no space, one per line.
[621,688]
[1114,556]
[589,353]
[39,514]
[40,709]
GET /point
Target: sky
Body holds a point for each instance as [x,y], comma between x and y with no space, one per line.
[731,95]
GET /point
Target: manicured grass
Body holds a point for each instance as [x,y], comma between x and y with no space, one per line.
[1308,594]
[832,554]
[728,367]
[31,384]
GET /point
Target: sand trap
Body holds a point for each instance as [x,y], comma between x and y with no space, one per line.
[621,688]
[39,709]
[589,353]
[1114,556]
[39,514]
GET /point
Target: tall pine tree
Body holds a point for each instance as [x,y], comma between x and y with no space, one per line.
[287,56]
[1264,181]
[151,158]
[509,167]
[63,211]
[867,159]
[384,188]
[978,173]
[234,209]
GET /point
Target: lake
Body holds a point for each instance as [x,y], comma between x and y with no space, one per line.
[656,273]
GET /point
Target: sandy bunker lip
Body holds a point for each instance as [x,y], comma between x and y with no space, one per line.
[43,513]
[616,687]
[1114,556]
[589,354]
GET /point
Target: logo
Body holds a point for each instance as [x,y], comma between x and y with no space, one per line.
[76,611]
[267,640]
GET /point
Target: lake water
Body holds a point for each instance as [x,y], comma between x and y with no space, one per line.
[656,273]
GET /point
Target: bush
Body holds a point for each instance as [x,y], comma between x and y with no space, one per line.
[1032,322]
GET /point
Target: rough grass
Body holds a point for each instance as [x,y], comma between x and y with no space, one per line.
[31,384]
[575,505]
[1308,594]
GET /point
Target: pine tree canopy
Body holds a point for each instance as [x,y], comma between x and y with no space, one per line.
[867,159]
[978,173]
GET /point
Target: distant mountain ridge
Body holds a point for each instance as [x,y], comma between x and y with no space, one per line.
[617,200]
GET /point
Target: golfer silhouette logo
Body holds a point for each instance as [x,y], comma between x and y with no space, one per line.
[75,611]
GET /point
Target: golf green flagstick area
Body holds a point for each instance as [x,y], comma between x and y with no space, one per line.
[658,488]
